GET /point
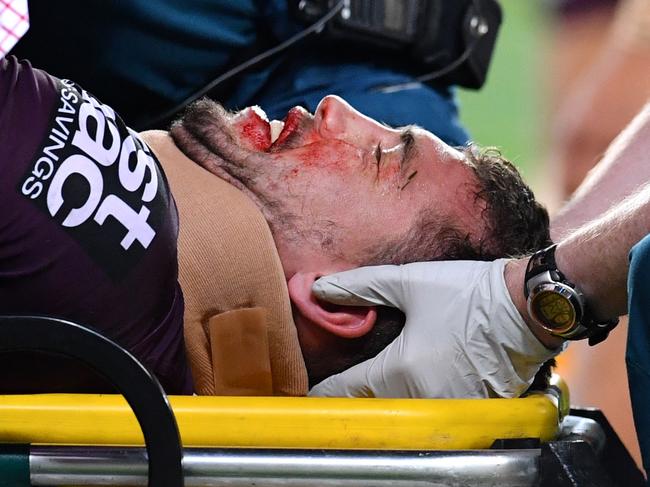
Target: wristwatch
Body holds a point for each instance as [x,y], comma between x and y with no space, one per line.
[557,304]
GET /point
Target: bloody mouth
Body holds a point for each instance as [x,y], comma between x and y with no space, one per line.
[255,128]
[292,122]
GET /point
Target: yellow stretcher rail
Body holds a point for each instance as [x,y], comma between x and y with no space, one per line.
[279,422]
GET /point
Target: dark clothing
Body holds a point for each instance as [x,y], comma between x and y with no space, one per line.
[144,56]
[637,356]
[88,227]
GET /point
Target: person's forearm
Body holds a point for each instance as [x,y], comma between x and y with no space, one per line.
[595,258]
[623,170]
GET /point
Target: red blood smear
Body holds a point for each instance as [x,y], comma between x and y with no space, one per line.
[257,132]
[290,123]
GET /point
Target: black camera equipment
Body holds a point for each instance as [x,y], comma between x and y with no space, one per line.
[452,39]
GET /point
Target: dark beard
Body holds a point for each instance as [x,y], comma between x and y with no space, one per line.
[203,134]
[209,123]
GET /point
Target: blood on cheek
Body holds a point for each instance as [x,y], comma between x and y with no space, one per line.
[314,163]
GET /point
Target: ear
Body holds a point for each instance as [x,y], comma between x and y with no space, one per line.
[343,321]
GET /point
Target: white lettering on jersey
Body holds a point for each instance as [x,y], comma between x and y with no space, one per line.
[84,167]
[121,191]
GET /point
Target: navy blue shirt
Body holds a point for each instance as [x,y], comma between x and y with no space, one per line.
[143,57]
[637,353]
[88,226]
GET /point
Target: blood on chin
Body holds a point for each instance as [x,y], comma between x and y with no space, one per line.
[253,128]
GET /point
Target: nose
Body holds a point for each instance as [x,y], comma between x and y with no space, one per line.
[336,118]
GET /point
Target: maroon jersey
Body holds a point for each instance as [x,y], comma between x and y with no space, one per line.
[88,226]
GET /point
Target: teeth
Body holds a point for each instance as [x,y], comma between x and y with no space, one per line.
[276,128]
[260,112]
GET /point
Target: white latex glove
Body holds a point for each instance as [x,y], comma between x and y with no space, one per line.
[463,336]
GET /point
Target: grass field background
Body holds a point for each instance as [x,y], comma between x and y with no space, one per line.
[508,112]
[512,112]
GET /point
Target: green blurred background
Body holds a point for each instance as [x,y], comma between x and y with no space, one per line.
[508,112]
[525,93]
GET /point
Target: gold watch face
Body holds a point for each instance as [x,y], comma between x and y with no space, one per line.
[554,311]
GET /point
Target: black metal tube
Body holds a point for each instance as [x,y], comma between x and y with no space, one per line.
[140,388]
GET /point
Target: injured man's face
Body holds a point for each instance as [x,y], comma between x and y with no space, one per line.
[340,190]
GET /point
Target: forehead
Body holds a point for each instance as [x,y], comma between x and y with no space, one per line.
[445,180]
[430,146]
[438,165]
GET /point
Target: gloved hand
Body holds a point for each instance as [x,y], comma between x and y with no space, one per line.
[463,336]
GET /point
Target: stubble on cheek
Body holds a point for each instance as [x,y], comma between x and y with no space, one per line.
[205,129]
[197,141]
[268,194]
[193,146]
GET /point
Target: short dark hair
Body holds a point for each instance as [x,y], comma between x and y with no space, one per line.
[516,223]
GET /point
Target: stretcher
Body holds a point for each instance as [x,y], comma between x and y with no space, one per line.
[143,437]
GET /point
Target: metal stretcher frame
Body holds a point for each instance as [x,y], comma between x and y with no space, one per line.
[583,454]
[269,441]
[272,441]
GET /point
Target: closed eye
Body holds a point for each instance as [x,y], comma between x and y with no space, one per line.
[407,137]
[378,153]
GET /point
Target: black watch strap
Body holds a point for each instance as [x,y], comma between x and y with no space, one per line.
[543,261]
